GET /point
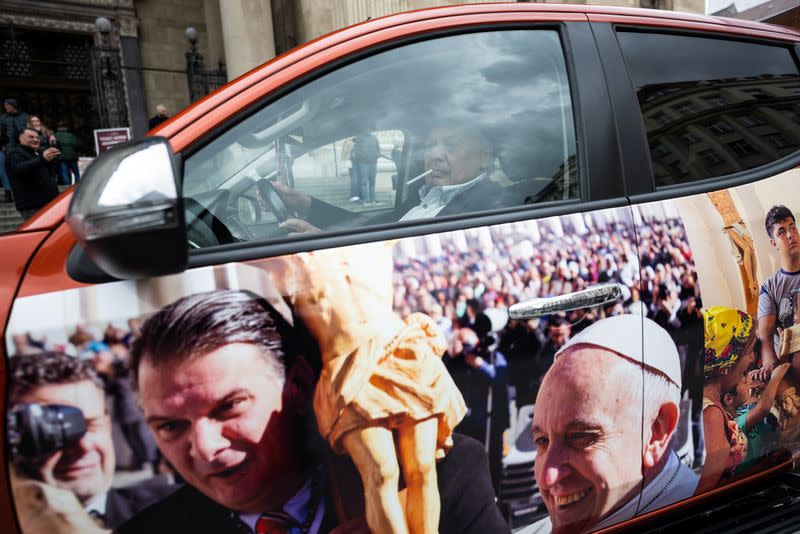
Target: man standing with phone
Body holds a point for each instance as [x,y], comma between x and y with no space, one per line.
[29,174]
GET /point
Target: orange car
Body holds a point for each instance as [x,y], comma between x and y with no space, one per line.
[594,206]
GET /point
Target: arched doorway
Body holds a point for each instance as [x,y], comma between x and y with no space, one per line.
[49,73]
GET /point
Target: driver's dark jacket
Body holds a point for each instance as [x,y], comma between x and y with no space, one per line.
[484,195]
[465,490]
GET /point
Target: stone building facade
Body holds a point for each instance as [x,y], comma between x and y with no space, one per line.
[55,60]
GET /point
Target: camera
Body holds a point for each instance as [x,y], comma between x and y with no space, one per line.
[36,431]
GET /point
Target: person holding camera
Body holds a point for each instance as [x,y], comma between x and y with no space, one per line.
[481,374]
[29,172]
[60,434]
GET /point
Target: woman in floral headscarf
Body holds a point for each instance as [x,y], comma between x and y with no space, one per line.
[728,354]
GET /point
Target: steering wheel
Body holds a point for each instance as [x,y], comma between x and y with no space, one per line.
[273,199]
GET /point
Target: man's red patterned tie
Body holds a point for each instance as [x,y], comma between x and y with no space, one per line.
[273,523]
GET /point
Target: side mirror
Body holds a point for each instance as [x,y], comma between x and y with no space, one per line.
[126,211]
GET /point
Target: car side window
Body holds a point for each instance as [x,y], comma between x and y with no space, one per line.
[712,107]
[419,131]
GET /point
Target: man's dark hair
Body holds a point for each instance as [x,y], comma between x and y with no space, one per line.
[775,214]
[556,321]
[23,130]
[474,305]
[27,372]
[204,322]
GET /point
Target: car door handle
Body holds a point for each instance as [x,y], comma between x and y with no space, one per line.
[600,295]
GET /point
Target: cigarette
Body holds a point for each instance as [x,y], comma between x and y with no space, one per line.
[420,177]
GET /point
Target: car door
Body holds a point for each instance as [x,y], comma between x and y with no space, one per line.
[719,151]
[493,178]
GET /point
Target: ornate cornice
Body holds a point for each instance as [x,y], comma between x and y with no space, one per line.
[102,3]
[48,23]
[128,26]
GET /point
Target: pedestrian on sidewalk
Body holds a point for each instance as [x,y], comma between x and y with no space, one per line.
[159,117]
[12,122]
[68,144]
[29,174]
[366,151]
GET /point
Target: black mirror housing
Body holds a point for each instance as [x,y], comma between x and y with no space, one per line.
[127,211]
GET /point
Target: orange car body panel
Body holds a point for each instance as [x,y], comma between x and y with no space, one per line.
[17,251]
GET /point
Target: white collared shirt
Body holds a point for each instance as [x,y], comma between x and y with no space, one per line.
[97,504]
[433,200]
[673,483]
[297,508]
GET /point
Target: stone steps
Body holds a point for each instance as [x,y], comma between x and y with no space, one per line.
[10,217]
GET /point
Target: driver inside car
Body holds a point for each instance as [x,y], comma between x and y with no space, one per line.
[456,160]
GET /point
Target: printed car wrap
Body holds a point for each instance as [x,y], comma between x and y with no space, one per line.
[464,281]
[737,265]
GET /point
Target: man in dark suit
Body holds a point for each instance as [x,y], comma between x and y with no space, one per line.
[225,383]
[86,468]
[159,117]
[456,181]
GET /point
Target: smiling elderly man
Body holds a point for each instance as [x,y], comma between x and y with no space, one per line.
[592,459]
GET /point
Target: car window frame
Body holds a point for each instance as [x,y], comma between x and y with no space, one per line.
[599,183]
[640,183]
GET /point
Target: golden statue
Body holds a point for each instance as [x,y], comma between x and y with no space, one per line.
[384,396]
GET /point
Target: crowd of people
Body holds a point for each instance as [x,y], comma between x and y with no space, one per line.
[34,158]
[465,282]
[496,277]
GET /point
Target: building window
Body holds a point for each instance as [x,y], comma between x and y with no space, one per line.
[749,120]
[687,108]
[710,157]
[755,93]
[688,138]
[679,170]
[777,141]
[662,118]
[716,101]
[791,114]
[742,148]
[659,151]
[719,127]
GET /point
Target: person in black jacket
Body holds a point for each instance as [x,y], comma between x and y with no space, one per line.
[225,384]
[85,468]
[12,122]
[159,117]
[456,181]
[30,173]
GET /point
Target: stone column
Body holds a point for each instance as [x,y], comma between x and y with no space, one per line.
[247,34]
[216,46]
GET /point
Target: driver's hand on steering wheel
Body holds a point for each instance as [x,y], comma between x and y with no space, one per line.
[297,202]
[299,227]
